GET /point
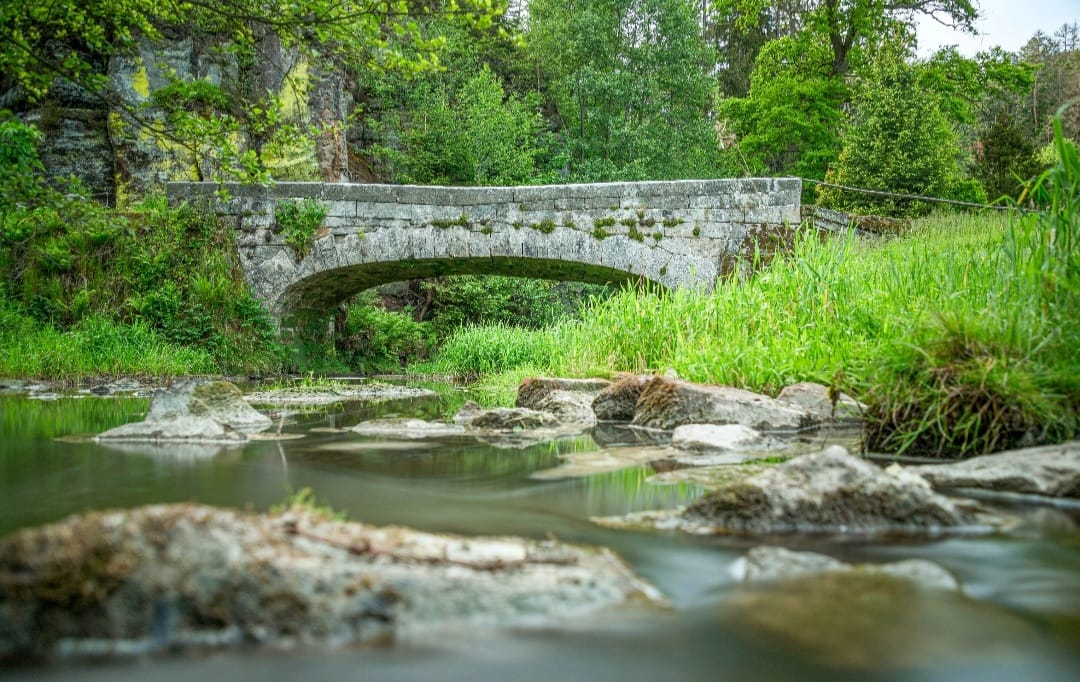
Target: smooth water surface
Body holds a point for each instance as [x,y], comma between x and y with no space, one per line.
[1018,620]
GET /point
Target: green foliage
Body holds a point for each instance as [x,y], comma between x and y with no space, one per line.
[629,81]
[1005,160]
[480,136]
[471,352]
[20,165]
[304,501]
[790,120]
[94,346]
[153,275]
[1003,372]
[897,140]
[379,340]
[470,300]
[298,221]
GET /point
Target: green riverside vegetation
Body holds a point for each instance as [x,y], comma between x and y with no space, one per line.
[960,335]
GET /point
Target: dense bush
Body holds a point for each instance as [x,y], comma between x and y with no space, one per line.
[165,275]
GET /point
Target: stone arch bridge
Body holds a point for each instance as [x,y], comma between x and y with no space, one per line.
[676,234]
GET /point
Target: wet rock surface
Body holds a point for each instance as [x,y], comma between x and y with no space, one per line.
[1050,470]
[727,438]
[829,491]
[193,410]
[870,621]
[569,407]
[176,577]
[666,403]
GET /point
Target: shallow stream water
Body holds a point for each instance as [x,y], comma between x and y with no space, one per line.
[1018,619]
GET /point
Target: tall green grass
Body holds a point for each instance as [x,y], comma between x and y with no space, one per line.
[94,346]
[472,352]
[816,314]
[981,378]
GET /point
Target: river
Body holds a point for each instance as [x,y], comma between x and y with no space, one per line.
[1018,619]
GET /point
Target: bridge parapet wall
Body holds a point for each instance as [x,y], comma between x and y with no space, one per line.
[677,233]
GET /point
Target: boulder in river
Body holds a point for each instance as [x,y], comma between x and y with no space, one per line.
[815,399]
[569,407]
[666,403]
[533,390]
[194,410]
[617,401]
[729,438]
[828,492]
[1048,470]
[175,577]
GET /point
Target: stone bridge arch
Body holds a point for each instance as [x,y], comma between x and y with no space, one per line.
[674,234]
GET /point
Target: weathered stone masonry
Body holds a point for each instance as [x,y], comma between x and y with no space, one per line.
[676,234]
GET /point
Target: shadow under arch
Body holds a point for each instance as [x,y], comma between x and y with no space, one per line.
[326,289]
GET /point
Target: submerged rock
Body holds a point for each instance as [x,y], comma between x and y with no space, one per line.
[1050,470]
[533,390]
[764,564]
[667,403]
[870,621]
[617,401]
[815,399]
[411,429]
[173,577]
[192,410]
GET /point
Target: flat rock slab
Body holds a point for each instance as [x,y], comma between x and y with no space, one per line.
[410,429]
[739,442]
[829,492]
[1050,470]
[666,403]
[174,577]
[575,464]
[193,411]
[373,392]
[869,622]
[181,429]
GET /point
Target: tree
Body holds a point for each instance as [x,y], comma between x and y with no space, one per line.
[897,140]
[73,41]
[475,136]
[845,25]
[629,84]
[1005,158]
[789,122]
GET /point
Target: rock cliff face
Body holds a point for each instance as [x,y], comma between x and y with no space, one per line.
[114,141]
